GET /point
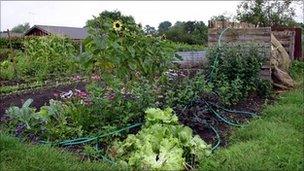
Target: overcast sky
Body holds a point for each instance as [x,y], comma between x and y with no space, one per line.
[76,13]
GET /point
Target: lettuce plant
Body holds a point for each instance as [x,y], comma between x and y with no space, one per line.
[162,144]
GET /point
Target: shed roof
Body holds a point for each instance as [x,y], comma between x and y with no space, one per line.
[72,32]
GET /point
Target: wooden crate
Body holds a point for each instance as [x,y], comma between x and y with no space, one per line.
[287,39]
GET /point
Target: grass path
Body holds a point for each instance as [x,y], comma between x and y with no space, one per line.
[18,156]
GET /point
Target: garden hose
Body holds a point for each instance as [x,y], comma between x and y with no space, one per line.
[215,63]
[232,111]
[89,139]
[217,137]
[224,119]
[219,116]
[219,40]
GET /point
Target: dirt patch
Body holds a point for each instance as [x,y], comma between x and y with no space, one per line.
[40,97]
[4,82]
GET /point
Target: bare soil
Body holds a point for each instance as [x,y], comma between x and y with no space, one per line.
[40,97]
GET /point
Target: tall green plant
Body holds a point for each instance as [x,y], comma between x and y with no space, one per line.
[47,56]
[234,69]
[118,49]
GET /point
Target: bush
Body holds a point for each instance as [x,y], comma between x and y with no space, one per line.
[180,89]
[16,42]
[184,47]
[113,107]
[234,69]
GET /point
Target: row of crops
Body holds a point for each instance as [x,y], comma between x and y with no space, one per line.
[129,113]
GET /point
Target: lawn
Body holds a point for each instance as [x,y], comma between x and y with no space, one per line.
[19,156]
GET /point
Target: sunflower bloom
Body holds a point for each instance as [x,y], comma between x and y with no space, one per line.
[117,26]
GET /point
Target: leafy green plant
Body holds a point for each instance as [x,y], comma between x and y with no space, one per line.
[57,122]
[49,123]
[234,69]
[25,114]
[161,144]
[178,91]
[129,62]
[114,107]
[117,46]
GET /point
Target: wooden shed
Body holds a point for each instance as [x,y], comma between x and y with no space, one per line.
[75,33]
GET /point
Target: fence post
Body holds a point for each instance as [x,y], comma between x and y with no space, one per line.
[12,51]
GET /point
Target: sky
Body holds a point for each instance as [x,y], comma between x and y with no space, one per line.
[76,13]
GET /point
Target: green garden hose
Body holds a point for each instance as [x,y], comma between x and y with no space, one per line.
[224,119]
[220,117]
[217,137]
[89,139]
[232,111]
[215,63]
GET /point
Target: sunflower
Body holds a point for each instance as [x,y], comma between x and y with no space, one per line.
[117,25]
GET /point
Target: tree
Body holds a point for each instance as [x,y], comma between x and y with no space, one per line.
[149,30]
[190,32]
[164,26]
[221,17]
[106,18]
[21,28]
[266,13]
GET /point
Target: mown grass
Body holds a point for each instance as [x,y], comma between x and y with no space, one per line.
[15,155]
[275,141]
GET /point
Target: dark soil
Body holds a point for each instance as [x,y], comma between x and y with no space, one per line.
[40,97]
[198,116]
[4,82]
